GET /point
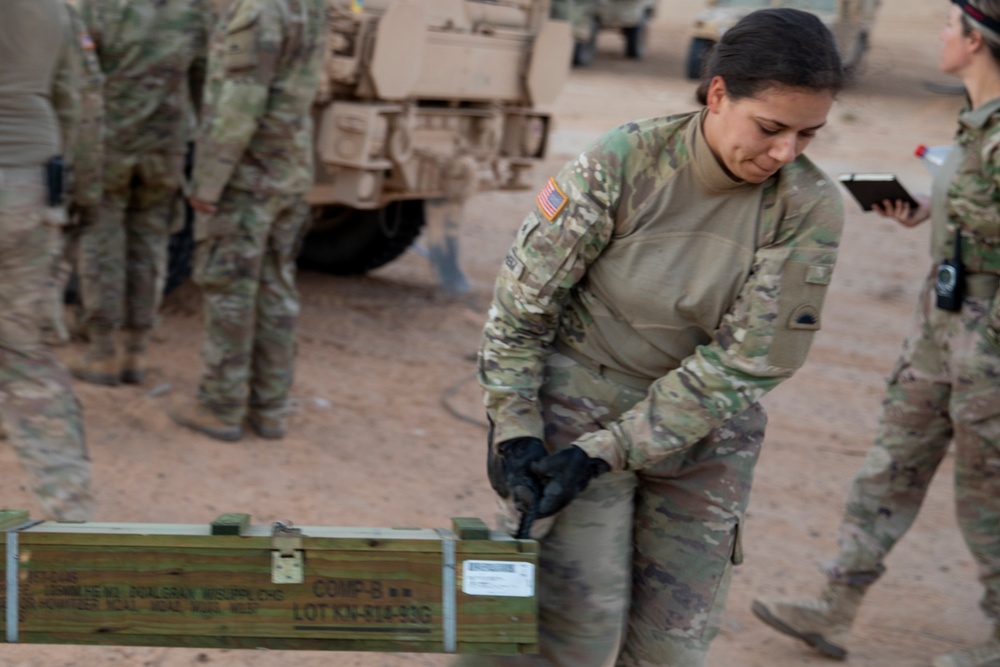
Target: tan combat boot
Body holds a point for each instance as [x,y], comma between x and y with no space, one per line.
[823,624]
[984,655]
[195,416]
[270,428]
[99,364]
[133,369]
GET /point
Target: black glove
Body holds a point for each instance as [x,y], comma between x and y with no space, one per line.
[508,466]
[565,475]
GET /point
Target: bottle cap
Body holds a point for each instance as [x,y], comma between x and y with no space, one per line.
[921,149]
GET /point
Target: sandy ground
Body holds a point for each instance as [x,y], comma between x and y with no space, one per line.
[386,429]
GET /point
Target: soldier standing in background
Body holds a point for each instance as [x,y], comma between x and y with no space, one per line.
[150,52]
[945,386]
[87,159]
[38,110]
[253,164]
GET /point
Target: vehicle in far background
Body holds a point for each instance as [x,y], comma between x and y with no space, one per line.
[850,21]
[589,17]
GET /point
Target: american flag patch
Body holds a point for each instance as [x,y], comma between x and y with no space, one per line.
[86,43]
[551,200]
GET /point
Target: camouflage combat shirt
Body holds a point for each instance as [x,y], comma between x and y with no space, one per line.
[88,151]
[265,63]
[966,192]
[709,357]
[39,84]
[150,52]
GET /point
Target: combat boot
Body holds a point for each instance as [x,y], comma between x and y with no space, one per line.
[823,624]
[195,416]
[984,655]
[133,369]
[270,428]
[99,364]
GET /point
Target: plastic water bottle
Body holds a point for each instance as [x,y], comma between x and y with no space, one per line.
[932,156]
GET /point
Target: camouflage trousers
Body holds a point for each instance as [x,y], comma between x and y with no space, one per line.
[122,253]
[245,265]
[636,570]
[38,409]
[945,388]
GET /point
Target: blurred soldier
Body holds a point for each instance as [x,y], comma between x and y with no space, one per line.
[88,155]
[38,110]
[253,163]
[149,51]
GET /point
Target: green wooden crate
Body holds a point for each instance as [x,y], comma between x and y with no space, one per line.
[230,584]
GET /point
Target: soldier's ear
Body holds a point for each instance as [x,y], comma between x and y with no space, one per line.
[716,95]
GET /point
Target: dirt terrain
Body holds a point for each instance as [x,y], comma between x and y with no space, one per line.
[387,425]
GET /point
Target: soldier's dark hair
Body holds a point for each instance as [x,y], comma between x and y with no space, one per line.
[768,47]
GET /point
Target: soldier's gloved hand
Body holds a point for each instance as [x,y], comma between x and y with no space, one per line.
[565,475]
[508,466]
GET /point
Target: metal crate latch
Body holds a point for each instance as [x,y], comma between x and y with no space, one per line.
[287,557]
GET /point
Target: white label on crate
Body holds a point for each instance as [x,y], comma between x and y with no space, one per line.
[500,578]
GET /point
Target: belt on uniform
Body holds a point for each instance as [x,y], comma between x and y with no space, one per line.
[981,285]
[621,377]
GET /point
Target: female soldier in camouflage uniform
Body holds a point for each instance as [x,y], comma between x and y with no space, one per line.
[668,278]
[946,383]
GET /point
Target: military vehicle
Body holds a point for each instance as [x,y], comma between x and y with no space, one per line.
[589,17]
[425,103]
[850,21]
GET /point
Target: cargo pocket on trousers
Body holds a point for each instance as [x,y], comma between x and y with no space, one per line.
[979,412]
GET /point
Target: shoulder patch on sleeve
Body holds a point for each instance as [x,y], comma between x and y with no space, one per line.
[805,317]
[515,265]
[551,200]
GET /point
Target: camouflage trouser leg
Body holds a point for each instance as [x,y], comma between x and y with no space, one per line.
[636,570]
[975,412]
[123,253]
[37,406]
[245,265]
[53,322]
[915,429]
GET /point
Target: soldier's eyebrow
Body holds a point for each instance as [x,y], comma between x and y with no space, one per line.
[784,126]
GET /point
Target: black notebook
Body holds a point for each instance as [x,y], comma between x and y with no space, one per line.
[871,189]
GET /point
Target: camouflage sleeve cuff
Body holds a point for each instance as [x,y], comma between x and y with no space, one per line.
[210,178]
[605,445]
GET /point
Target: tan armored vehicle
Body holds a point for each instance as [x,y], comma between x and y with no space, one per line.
[425,103]
[589,17]
[849,20]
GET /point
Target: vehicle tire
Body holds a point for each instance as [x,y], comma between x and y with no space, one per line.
[637,39]
[345,241]
[584,52]
[697,54]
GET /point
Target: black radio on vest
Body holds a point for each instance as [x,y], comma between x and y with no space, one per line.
[950,277]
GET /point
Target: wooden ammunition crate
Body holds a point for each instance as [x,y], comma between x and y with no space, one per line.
[233,585]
